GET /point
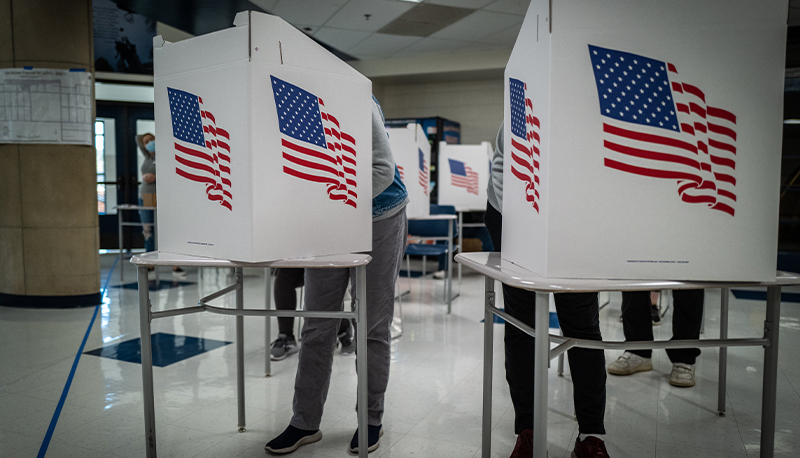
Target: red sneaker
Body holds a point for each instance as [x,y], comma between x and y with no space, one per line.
[524,447]
[591,447]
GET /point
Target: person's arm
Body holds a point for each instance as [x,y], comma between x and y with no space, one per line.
[149,178]
[382,159]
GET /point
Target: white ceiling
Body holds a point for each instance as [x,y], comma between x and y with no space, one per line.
[343,24]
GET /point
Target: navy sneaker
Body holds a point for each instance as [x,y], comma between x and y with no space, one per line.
[291,439]
[374,434]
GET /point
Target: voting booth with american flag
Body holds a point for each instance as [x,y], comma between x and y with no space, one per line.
[464,175]
[643,139]
[412,154]
[264,145]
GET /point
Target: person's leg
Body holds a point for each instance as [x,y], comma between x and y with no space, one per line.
[325,290]
[388,245]
[519,347]
[286,283]
[147,217]
[578,316]
[687,319]
[636,320]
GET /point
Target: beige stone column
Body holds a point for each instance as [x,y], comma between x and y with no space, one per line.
[48,203]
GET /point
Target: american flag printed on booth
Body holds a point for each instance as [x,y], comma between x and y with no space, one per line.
[462,176]
[657,126]
[202,149]
[314,147]
[402,177]
[525,141]
[423,171]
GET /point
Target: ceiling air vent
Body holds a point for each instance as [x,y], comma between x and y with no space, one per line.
[424,19]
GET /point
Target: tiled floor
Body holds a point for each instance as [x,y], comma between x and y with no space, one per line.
[433,404]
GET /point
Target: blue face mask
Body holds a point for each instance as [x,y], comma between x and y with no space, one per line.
[151,147]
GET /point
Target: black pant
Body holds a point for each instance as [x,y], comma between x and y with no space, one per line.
[286,281]
[686,321]
[578,316]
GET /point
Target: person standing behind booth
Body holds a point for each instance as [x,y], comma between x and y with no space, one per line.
[578,316]
[147,194]
[286,283]
[325,289]
[687,319]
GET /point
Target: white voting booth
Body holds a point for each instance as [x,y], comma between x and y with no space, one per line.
[264,145]
[643,139]
[464,175]
[412,154]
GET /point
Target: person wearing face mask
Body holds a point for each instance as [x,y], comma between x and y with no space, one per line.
[147,193]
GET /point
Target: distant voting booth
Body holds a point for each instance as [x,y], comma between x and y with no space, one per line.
[464,175]
[412,154]
[643,139]
[264,145]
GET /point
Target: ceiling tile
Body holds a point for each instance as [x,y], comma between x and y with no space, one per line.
[432,46]
[266,5]
[472,4]
[381,12]
[311,12]
[381,45]
[506,37]
[478,25]
[341,39]
[509,6]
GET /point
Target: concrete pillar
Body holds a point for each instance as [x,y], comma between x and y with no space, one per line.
[48,203]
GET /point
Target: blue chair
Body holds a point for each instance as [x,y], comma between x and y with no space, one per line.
[440,231]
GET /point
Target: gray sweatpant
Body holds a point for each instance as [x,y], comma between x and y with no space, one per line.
[325,289]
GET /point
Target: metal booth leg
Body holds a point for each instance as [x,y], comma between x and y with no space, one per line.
[147,363]
[361,359]
[460,244]
[449,283]
[541,363]
[121,249]
[488,361]
[561,358]
[239,277]
[267,322]
[723,352]
[770,388]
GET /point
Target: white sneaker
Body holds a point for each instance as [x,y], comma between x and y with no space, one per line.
[439,274]
[682,375]
[630,363]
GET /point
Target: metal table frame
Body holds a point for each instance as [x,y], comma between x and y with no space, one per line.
[493,268]
[146,315]
[120,223]
[448,287]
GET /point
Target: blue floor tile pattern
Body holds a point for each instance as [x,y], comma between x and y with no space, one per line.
[156,286]
[762,295]
[167,349]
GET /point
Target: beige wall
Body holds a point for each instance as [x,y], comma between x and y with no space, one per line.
[48,205]
[476,104]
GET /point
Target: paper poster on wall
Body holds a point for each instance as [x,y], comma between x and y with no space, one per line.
[46,106]
[123,41]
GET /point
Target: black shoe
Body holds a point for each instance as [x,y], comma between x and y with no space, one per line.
[291,439]
[374,434]
[347,342]
[655,314]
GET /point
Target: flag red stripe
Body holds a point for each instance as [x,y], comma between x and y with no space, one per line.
[348,149]
[193,177]
[312,165]
[700,127]
[195,153]
[305,176]
[350,203]
[349,138]
[720,113]
[720,145]
[223,133]
[520,175]
[677,87]
[649,138]
[672,68]
[727,194]
[687,128]
[194,165]
[224,169]
[645,154]
[698,199]
[227,205]
[697,109]
[683,108]
[224,146]
[522,162]
[207,114]
[702,147]
[723,161]
[518,145]
[725,177]
[308,151]
[224,157]
[695,91]
[650,172]
[717,129]
[723,208]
